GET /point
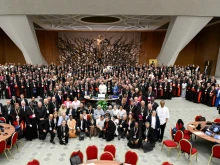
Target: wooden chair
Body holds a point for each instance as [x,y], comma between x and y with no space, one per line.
[215,152]
[3,148]
[13,143]
[186,147]
[173,144]
[79,153]
[110,148]
[131,158]
[33,162]
[107,156]
[92,153]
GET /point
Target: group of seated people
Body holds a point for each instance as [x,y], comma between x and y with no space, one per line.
[139,123]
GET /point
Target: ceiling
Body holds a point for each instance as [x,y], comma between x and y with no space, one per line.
[99,23]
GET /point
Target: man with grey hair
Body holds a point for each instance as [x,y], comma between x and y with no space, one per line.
[98,112]
[109,110]
[40,115]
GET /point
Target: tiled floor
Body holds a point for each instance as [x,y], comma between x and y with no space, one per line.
[49,154]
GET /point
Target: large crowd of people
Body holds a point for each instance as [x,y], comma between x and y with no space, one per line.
[62,110]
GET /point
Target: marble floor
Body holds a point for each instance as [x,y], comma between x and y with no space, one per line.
[49,154]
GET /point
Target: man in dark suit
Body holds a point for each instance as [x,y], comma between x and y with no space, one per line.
[122,127]
[132,108]
[141,113]
[8,112]
[1,110]
[135,137]
[109,129]
[154,121]
[82,126]
[59,99]
[148,138]
[52,106]
[150,94]
[63,133]
[22,99]
[71,111]
[48,126]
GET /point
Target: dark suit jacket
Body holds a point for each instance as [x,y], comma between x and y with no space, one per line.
[5,112]
[123,123]
[157,125]
[145,113]
[25,100]
[59,100]
[150,135]
[132,134]
[111,127]
[84,124]
[60,131]
[45,125]
[52,106]
[73,112]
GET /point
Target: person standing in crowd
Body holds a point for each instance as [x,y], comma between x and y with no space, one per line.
[8,112]
[148,138]
[63,133]
[102,88]
[47,126]
[98,112]
[31,123]
[41,115]
[154,121]
[164,115]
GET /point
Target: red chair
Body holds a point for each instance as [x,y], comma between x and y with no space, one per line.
[217,120]
[197,117]
[173,144]
[110,148]
[167,163]
[79,153]
[186,147]
[92,153]
[131,158]
[3,119]
[33,162]
[215,152]
[3,148]
[13,142]
[107,156]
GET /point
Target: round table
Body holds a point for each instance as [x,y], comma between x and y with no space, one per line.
[192,128]
[8,131]
[102,162]
[93,99]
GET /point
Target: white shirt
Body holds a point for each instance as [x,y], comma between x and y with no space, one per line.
[184,85]
[115,112]
[153,122]
[102,89]
[121,113]
[163,113]
[100,123]
[76,104]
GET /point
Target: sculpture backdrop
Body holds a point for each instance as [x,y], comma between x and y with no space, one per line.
[112,50]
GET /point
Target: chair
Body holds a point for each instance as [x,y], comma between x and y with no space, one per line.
[106,156]
[79,153]
[197,117]
[167,163]
[215,152]
[173,144]
[3,148]
[186,147]
[92,152]
[131,157]
[217,120]
[3,119]
[33,162]
[13,142]
[110,148]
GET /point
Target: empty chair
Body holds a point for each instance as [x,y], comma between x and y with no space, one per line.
[167,163]
[33,162]
[173,144]
[3,148]
[106,156]
[13,142]
[186,147]
[2,119]
[77,153]
[215,152]
[131,158]
[217,120]
[92,152]
[110,148]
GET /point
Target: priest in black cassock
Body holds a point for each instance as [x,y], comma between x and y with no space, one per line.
[135,137]
[109,129]
[31,123]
